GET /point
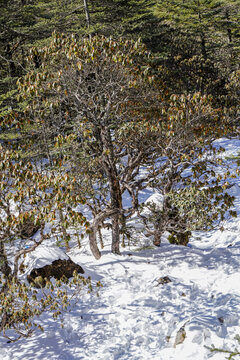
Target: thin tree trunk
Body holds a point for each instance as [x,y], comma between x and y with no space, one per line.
[4,266]
[157,236]
[87,12]
[100,238]
[228,28]
[115,235]
[94,229]
[93,244]
[116,203]
[64,232]
[109,164]
[203,46]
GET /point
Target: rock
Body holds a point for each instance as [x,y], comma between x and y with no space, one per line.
[180,337]
[58,269]
[221,320]
[164,280]
[43,255]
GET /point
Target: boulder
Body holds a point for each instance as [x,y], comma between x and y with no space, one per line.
[164,280]
[180,336]
[46,262]
[58,268]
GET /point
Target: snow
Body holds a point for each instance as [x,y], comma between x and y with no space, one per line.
[155,200]
[43,255]
[136,318]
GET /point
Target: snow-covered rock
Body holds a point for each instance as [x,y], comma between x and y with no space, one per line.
[43,255]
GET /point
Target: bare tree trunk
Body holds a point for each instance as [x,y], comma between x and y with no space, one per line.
[114,186]
[115,235]
[100,238]
[87,12]
[4,266]
[203,46]
[94,230]
[65,234]
[116,203]
[157,236]
[228,28]
[93,243]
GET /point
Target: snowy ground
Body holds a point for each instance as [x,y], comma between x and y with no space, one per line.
[137,318]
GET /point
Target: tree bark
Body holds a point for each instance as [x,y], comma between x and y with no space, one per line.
[64,231]
[95,228]
[93,243]
[203,46]
[4,266]
[100,238]
[87,12]
[109,164]
[157,236]
[115,235]
[228,28]
[116,203]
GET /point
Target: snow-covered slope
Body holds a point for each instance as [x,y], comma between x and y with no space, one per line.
[135,317]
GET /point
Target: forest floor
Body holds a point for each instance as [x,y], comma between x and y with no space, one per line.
[138,316]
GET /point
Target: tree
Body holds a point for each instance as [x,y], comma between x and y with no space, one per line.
[125,18]
[195,17]
[22,304]
[197,40]
[24,24]
[95,109]
[186,174]
[85,101]
[28,200]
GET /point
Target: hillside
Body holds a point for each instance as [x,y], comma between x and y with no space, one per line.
[147,297]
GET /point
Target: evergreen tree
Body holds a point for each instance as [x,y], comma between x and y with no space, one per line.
[128,18]
[201,41]
[24,24]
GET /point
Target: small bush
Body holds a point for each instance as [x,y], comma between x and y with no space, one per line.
[22,304]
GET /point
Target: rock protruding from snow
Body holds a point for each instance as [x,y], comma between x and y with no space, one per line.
[164,280]
[48,261]
[180,336]
[43,255]
[58,269]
